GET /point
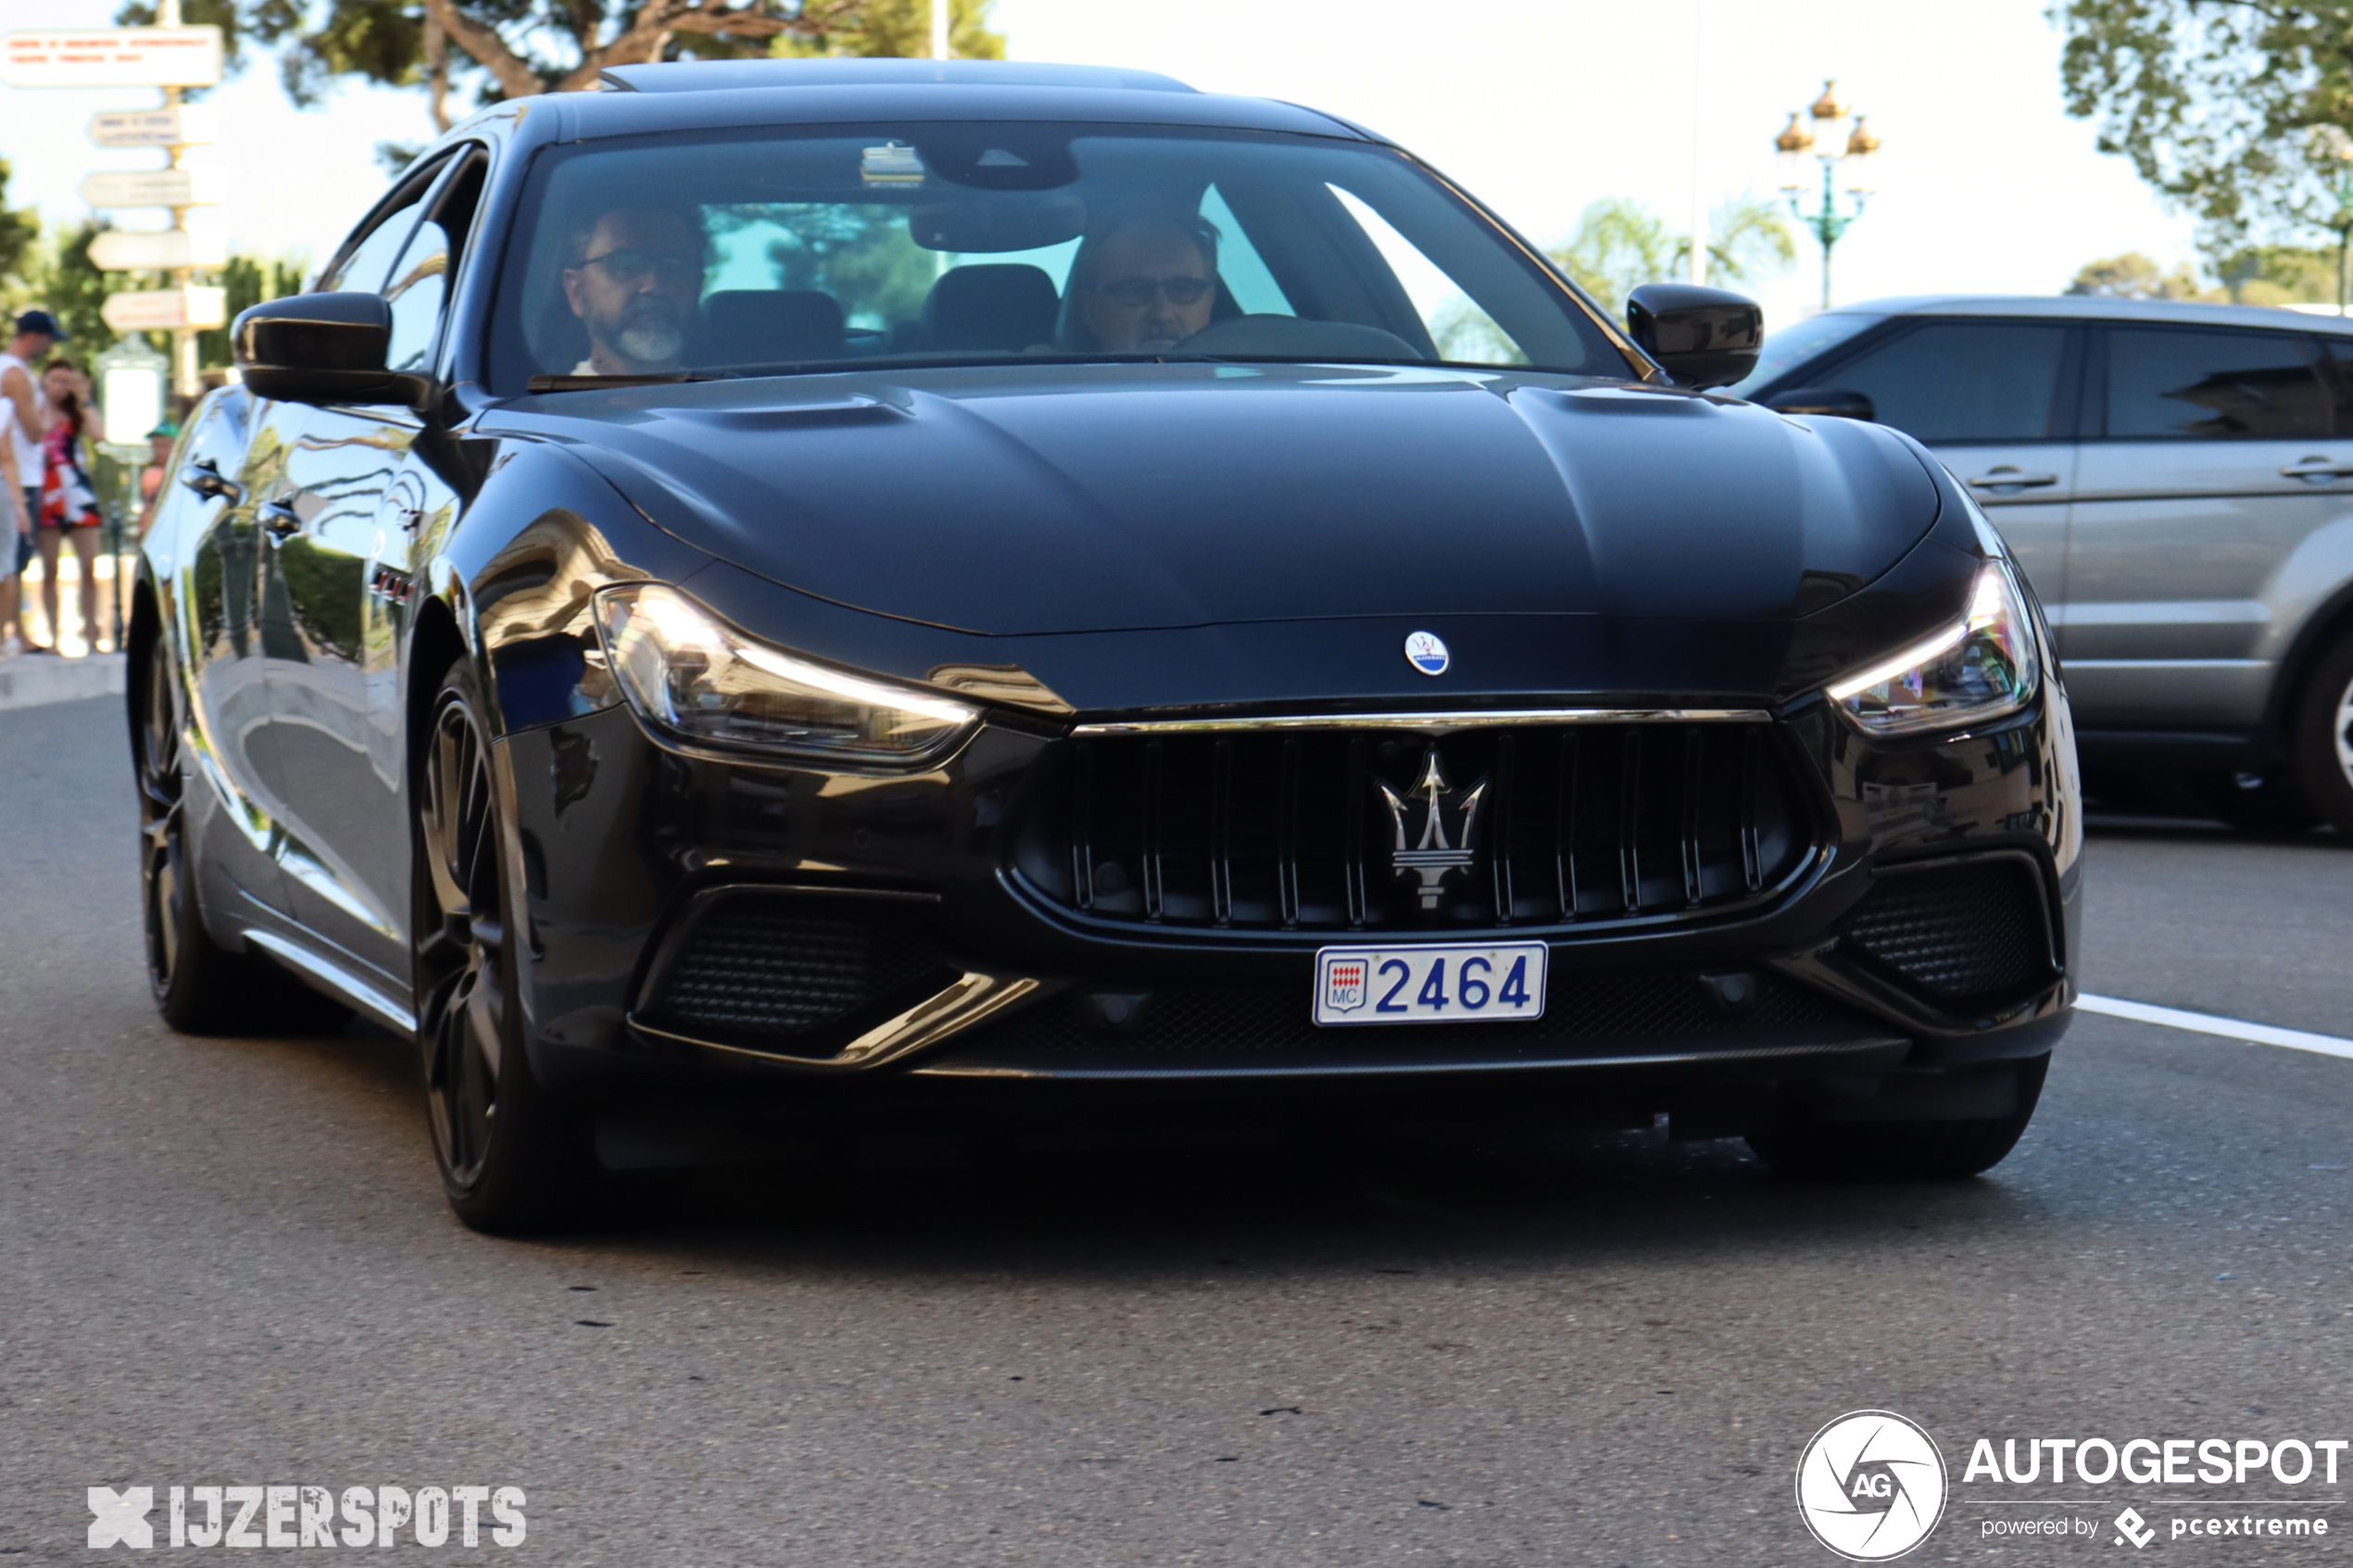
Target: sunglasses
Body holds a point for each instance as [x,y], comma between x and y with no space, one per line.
[634,266]
[1180,290]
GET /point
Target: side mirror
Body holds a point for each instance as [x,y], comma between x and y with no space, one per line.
[322,348]
[1836,401]
[1703,337]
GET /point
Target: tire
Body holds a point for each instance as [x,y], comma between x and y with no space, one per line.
[199,987]
[513,1158]
[1903,1151]
[2322,738]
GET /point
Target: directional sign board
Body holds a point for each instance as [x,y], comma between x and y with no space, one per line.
[112,57]
[166,309]
[117,251]
[154,187]
[178,125]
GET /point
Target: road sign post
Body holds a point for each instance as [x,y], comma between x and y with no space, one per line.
[186,125]
[173,58]
[164,250]
[170,56]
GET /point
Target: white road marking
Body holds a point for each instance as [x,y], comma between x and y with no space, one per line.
[2208,1024]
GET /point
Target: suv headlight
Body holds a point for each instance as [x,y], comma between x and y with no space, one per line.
[1981,668]
[689,675]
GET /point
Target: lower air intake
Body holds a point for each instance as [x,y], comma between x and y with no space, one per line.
[1969,936]
[776,971]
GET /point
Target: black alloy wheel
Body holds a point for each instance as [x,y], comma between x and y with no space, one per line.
[2323,737]
[512,1156]
[1903,1151]
[200,987]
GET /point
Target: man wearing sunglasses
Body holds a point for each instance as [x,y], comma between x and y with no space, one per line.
[1148,282]
[634,281]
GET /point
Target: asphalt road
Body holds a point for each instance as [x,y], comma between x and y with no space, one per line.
[226,1261]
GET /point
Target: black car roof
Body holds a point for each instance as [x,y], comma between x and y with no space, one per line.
[711,93]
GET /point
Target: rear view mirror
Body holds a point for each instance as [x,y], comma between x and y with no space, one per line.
[1702,337]
[1836,401]
[996,223]
[322,349]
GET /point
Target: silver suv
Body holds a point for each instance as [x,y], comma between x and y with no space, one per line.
[2177,480]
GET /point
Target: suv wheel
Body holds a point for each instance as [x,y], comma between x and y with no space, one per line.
[512,1156]
[2323,737]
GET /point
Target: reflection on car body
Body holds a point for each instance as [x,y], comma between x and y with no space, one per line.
[957,595]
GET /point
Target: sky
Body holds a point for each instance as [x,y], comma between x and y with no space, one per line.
[1536,106]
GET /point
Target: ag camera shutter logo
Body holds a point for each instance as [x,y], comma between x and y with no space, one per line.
[1871,1485]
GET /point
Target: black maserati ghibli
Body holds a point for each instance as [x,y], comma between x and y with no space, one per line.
[871,591]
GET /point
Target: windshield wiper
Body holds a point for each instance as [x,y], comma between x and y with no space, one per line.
[589,384]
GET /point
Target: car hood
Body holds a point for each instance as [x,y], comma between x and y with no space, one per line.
[1016,501]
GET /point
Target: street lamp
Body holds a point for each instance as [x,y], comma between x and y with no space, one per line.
[1831,138]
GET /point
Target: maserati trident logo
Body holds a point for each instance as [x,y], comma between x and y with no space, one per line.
[1433,857]
[1426,653]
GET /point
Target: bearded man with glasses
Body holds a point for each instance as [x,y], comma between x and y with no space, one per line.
[1146,281]
[635,280]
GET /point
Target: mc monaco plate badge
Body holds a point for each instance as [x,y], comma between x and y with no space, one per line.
[1430,983]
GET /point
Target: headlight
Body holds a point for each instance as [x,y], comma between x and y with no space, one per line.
[690,674]
[1978,669]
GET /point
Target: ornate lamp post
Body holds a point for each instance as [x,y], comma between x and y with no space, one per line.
[1830,140]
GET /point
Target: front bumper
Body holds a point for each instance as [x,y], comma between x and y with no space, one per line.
[1847,971]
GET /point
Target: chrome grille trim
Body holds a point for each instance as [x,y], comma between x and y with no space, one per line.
[1431,723]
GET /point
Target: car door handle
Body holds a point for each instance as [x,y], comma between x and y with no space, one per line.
[2011,479]
[2317,469]
[279,520]
[203,476]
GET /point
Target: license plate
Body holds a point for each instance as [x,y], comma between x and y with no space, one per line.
[1427,983]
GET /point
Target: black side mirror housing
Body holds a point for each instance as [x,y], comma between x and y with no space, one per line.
[1836,401]
[1703,337]
[322,348]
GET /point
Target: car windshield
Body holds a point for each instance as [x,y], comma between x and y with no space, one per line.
[735,253]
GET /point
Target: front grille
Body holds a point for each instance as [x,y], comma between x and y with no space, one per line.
[1970,934]
[1580,1011]
[763,969]
[1328,830]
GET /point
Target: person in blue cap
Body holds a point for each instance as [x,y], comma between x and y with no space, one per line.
[24,419]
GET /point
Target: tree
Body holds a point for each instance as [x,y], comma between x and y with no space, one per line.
[19,229]
[67,286]
[249,279]
[2134,276]
[1619,245]
[517,48]
[2224,107]
[895,29]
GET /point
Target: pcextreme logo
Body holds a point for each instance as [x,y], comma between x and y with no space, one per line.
[1871,1485]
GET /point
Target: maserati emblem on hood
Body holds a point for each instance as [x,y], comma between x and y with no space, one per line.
[1434,857]
[1426,653]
